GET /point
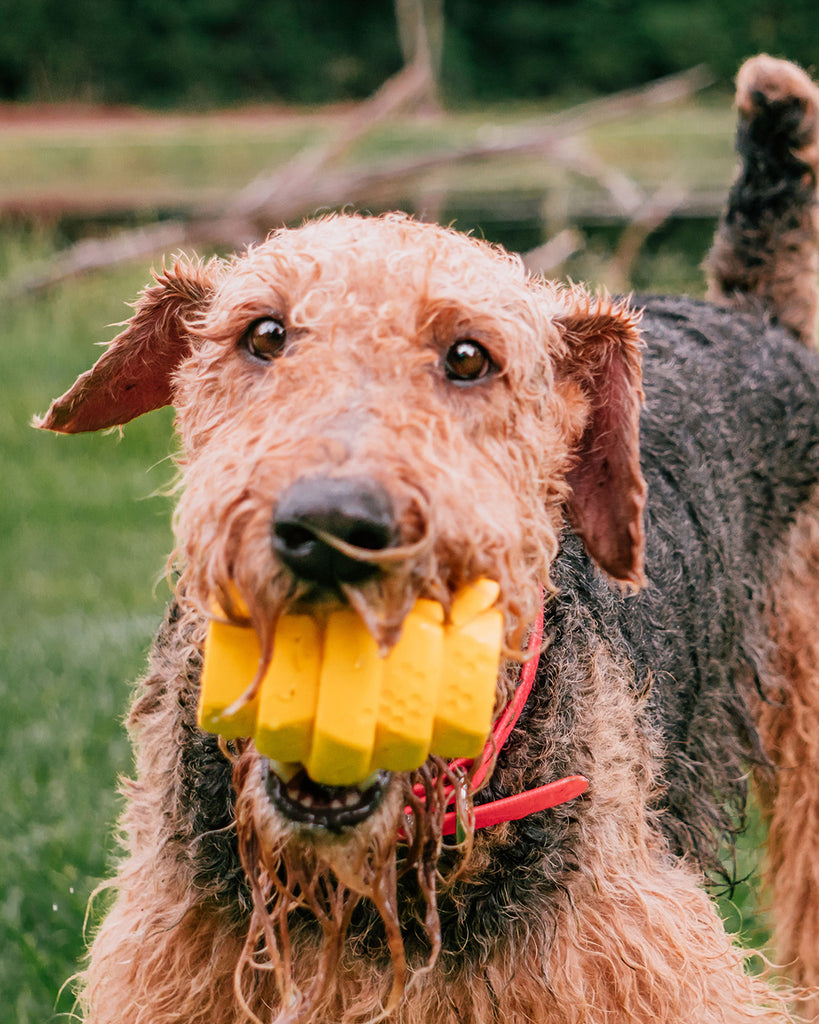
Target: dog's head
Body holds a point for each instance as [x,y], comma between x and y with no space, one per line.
[391,384]
[373,410]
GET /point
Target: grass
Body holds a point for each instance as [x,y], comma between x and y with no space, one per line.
[83,542]
[187,157]
[86,537]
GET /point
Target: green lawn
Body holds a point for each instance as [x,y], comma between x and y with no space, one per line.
[191,158]
[85,540]
[84,543]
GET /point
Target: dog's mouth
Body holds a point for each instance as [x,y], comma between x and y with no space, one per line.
[300,799]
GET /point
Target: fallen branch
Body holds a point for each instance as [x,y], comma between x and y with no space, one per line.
[310,181]
[310,166]
[549,257]
[237,223]
[653,214]
[287,196]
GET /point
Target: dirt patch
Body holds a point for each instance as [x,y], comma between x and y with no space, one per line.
[36,118]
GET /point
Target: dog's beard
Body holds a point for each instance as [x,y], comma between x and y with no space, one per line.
[306,887]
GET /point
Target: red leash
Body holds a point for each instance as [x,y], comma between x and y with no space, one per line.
[510,808]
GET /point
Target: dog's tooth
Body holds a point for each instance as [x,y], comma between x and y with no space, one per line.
[365,784]
[286,770]
[351,798]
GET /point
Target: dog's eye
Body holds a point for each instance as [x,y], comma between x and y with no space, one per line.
[467,361]
[265,338]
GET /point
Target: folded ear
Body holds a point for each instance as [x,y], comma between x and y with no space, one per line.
[608,489]
[135,374]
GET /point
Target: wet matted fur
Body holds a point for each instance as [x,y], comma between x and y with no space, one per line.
[676,542]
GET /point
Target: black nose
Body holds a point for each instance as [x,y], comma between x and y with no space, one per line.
[312,511]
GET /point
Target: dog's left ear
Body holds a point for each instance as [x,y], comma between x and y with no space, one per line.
[135,374]
[608,490]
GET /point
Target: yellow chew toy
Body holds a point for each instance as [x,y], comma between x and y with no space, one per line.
[328,701]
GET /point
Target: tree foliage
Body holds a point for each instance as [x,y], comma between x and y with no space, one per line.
[204,52]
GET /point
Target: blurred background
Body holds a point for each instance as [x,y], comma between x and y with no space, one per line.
[593,136]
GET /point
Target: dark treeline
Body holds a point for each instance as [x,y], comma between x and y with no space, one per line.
[206,52]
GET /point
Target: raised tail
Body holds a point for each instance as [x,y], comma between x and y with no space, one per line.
[766,250]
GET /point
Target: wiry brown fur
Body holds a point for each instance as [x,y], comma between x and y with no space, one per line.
[783,277]
[789,724]
[329,266]
[168,960]
[228,909]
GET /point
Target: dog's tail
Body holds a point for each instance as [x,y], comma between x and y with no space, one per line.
[766,250]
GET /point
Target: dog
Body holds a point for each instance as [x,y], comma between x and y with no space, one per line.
[373,410]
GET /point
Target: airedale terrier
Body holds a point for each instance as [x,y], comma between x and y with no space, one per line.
[373,409]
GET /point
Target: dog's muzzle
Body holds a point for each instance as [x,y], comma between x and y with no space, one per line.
[320,521]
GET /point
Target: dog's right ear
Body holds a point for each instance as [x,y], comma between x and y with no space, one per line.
[135,374]
[608,490]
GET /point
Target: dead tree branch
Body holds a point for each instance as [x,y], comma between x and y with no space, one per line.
[651,216]
[313,180]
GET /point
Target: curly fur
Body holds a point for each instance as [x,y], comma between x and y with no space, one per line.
[789,723]
[676,541]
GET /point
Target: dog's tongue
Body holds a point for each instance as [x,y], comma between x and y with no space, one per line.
[330,702]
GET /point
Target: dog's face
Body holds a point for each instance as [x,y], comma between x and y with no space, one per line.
[371,411]
[362,380]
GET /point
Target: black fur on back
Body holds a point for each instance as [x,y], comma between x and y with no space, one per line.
[730,451]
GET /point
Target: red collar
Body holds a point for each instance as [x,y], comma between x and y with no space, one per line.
[510,808]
